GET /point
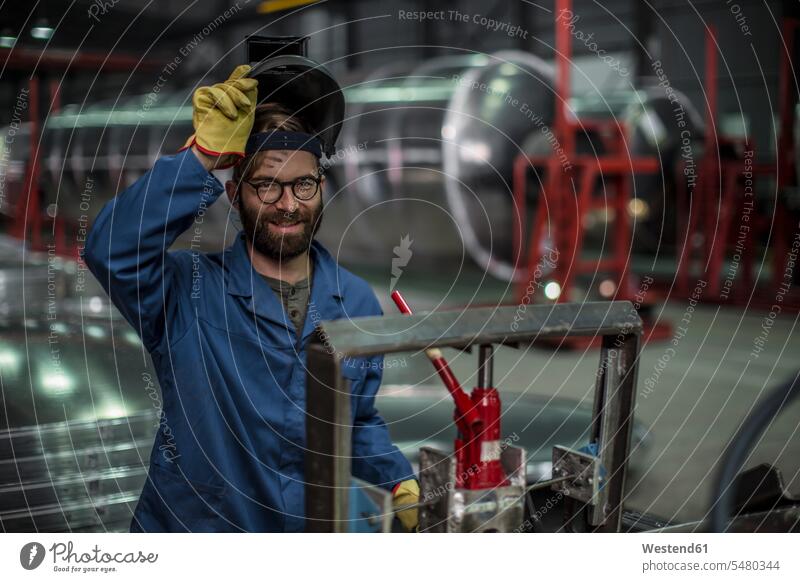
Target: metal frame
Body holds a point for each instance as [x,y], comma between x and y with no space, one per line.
[328,422]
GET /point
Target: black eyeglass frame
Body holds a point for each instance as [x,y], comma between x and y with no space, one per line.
[293,183]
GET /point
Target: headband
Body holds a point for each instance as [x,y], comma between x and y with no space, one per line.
[283,140]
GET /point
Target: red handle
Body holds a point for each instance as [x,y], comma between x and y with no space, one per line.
[466,415]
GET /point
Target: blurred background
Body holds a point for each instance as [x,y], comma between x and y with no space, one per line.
[648,153]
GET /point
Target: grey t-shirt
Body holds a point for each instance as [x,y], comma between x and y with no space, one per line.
[294,298]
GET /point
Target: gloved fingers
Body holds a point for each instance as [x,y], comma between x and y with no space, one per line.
[219,98]
[224,97]
[237,96]
[244,85]
[204,99]
[239,72]
[249,87]
[201,99]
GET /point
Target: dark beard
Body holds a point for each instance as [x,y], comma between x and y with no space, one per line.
[280,247]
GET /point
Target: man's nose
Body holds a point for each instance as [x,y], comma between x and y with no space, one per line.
[287,202]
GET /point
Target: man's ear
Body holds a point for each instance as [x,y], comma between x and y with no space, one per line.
[233,192]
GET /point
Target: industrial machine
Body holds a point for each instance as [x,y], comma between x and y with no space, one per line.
[588,481]
[591,479]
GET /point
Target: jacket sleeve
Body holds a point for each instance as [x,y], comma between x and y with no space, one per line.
[375,458]
[126,249]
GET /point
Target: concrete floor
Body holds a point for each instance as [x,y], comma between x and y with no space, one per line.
[692,404]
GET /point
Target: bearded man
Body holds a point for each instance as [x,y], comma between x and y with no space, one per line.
[227,331]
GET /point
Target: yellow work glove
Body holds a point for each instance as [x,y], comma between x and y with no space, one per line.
[407,493]
[223,115]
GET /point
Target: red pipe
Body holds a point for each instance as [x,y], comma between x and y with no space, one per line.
[466,417]
[711,86]
[27,207]
[519,222]
[786,103]
[563,128]
[55,102]
[710,180]
[784,158]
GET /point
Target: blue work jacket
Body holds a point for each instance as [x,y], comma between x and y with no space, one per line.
[228,454]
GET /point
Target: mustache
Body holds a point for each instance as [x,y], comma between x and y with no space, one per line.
[286,218]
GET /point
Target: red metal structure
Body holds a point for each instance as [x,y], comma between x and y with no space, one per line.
[567,194]
[30,218]
[708,211]
[722,217]
[27,212]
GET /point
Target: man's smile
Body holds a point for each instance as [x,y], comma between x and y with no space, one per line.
[287,228]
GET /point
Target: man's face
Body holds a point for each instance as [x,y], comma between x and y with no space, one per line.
[285,228]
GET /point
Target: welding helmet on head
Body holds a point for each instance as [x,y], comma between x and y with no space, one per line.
[287,76]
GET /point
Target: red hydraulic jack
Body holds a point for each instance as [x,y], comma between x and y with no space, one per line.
[478,447]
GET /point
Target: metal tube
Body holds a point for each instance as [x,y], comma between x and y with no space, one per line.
[563,70]
[485,366]
[328,434]
[614,407]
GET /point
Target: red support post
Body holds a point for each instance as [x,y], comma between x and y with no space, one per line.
[563,126]
[784,157]
[710,199]
[27,212]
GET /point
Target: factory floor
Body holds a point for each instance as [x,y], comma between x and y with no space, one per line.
[691,400]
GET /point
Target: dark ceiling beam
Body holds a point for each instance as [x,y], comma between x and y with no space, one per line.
[54,59]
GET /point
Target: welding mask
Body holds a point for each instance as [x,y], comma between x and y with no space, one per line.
[287,76]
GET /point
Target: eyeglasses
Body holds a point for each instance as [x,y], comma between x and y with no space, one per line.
[304,188]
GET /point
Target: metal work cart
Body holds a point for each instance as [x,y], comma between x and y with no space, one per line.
[591,480]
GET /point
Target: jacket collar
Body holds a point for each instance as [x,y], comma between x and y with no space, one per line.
[243,280]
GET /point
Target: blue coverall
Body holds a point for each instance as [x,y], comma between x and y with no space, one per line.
[228,455]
